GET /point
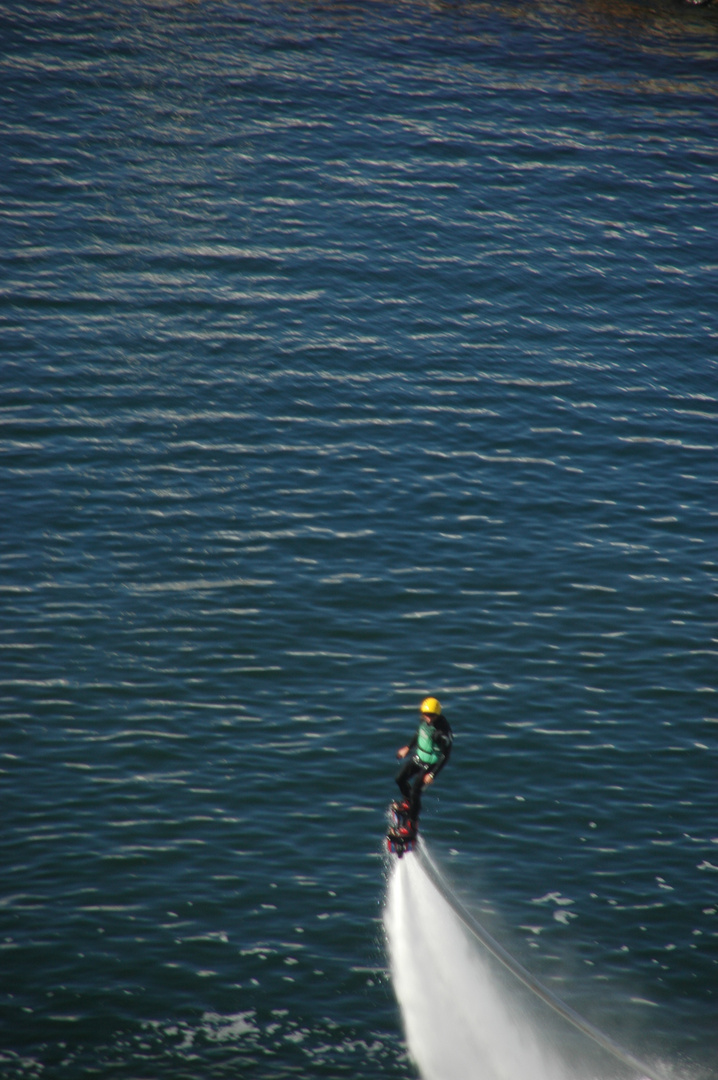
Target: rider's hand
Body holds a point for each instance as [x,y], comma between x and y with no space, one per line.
[428,778]
[403,752]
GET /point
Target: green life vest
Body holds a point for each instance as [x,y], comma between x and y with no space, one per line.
[426,749]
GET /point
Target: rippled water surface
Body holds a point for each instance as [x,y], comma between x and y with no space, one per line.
[351,352]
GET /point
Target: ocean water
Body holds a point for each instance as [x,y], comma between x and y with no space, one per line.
[354,351]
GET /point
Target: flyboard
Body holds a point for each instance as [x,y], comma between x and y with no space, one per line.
[402,837]
[403,830]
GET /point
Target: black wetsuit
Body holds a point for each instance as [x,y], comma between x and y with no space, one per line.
[429,751]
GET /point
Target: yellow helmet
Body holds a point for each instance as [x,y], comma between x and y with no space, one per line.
[430,705]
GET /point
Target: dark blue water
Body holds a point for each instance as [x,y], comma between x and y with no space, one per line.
[353,352]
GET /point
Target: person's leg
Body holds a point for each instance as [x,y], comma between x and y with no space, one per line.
[416,791]
[403,778]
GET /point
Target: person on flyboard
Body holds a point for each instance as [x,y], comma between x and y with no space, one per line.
[424,757]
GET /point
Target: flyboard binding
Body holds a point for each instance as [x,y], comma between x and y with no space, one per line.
[401,835]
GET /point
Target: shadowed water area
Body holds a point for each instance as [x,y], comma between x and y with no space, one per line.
[351,352]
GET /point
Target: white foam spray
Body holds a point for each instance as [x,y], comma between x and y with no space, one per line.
[461,1023]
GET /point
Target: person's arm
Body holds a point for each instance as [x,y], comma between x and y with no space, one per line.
[444,739]
[404,751]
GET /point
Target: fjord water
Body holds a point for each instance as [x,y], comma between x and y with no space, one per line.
[352,352]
